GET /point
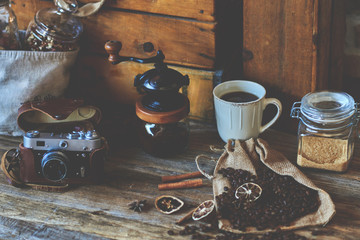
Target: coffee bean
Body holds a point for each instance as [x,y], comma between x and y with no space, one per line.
[171,232]
[205,228]
[196,236]
[220,237]
[187,228]
[282,201]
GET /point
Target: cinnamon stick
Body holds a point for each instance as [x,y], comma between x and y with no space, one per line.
[176,178]
[181,185]
[186,217]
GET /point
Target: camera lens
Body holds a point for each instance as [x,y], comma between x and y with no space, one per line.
[54,166]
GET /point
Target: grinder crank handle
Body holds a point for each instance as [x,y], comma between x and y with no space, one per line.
[113,48]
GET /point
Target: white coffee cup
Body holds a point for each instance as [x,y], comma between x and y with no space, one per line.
[242,120]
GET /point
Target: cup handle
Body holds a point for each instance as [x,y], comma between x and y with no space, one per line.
[278,105]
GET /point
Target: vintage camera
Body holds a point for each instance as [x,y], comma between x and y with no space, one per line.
[62,158]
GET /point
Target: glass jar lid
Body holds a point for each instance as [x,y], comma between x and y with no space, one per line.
[59,22]
[327,107]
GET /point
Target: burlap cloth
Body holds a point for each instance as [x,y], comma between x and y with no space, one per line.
[247,156]
[29,75]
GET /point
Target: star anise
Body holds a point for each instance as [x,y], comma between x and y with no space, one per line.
[137,205]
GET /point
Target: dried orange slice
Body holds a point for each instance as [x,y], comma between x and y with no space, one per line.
[249,191]
[168,204]
[203,210]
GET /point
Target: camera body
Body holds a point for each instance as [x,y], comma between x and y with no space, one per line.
[62,158]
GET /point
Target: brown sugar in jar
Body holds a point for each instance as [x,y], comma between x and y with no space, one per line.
[324,153]
[327,130]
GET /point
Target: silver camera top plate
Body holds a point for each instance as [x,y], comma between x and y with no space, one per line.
[75,141]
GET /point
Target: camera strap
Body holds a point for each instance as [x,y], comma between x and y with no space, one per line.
[10,165]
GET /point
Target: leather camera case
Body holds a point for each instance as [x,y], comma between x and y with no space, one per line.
[59,116]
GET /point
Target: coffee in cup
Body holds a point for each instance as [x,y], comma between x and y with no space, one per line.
[239,107]
[239,97]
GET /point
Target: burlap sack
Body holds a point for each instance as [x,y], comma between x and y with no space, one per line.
[247,156]
[29,75]
[26,75]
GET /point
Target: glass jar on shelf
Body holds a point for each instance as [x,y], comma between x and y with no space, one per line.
[55,29]
[9,34]
[327,130]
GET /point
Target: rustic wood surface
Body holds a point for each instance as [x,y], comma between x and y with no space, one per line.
[101,211]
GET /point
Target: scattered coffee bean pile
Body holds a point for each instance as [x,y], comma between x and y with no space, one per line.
[282,200]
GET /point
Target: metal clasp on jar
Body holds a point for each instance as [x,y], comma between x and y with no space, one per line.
[357,109]
[357,114]
[295,110]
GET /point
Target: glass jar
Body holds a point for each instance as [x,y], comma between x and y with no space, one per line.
[163,133]
[327,130]
[54,29]
[9,34]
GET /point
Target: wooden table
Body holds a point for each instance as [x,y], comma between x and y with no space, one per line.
[101,211]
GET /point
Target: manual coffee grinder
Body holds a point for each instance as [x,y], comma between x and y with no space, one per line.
[163,129]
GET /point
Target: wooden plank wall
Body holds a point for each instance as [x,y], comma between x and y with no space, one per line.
[292,44]
[183,30]
[184,41]
[352,49]
[283,44]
